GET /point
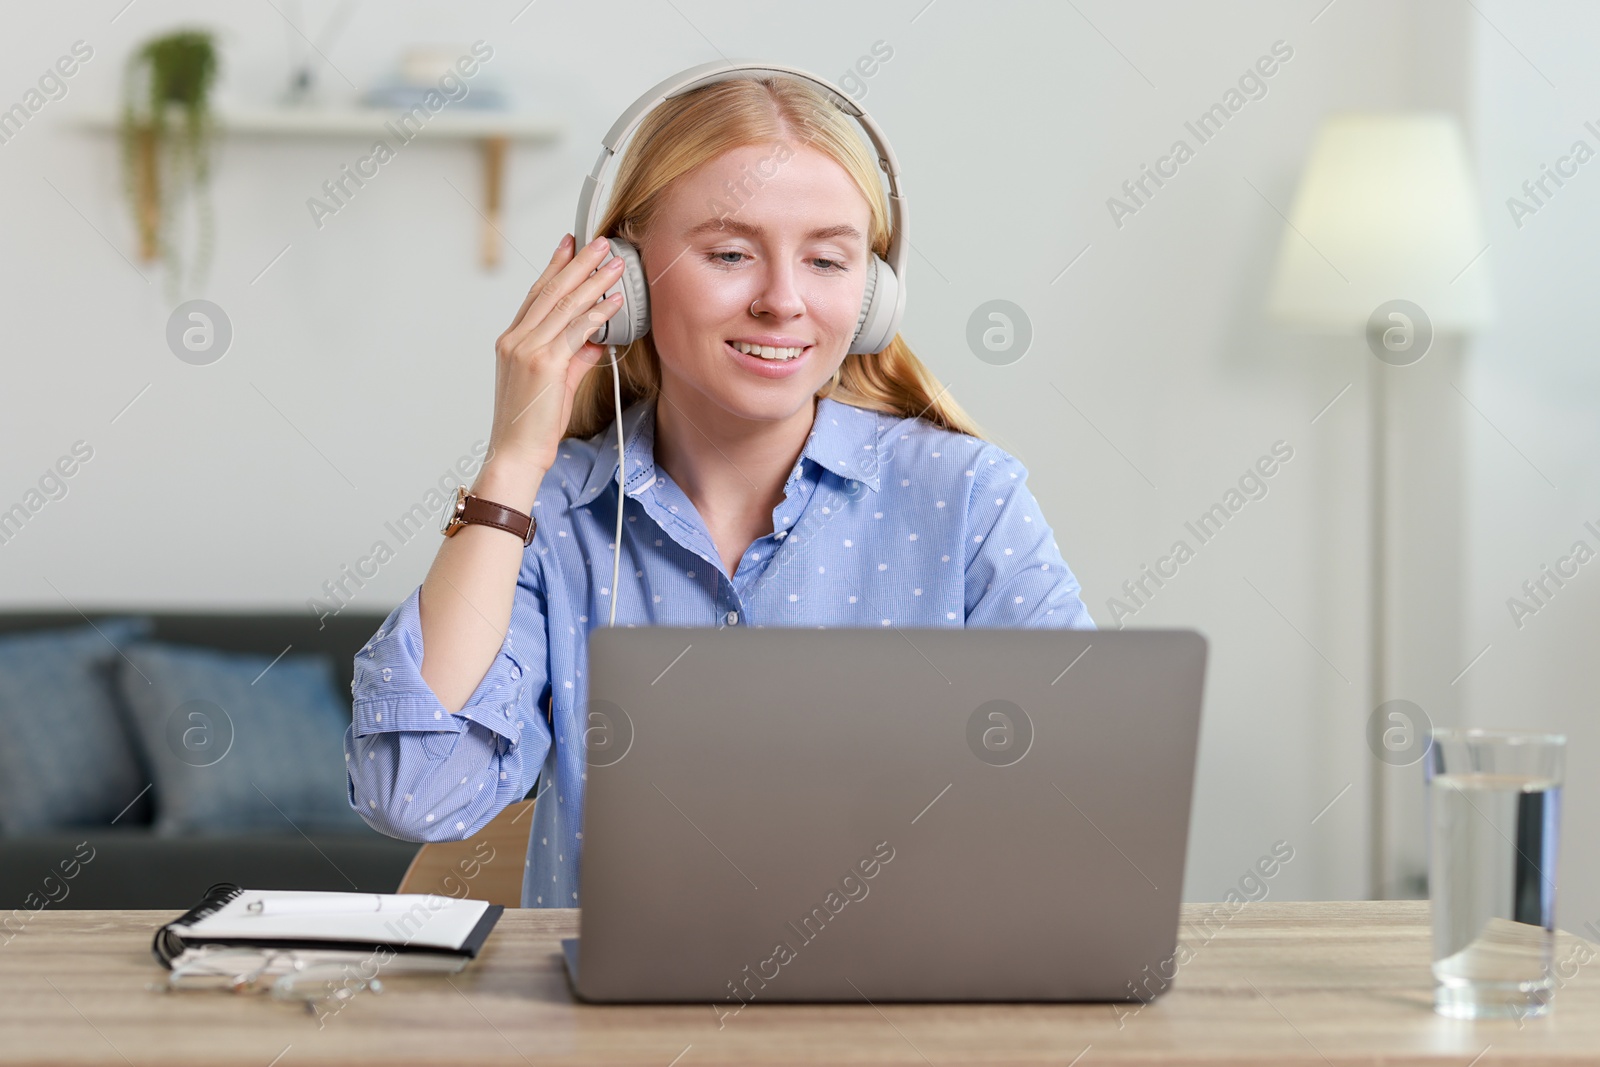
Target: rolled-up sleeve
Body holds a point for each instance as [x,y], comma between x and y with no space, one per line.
[1015,575]
[418,772]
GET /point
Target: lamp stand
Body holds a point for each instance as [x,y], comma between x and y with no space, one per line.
[1378,680]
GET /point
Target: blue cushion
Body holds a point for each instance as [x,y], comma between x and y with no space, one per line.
[239,743]
[66,758]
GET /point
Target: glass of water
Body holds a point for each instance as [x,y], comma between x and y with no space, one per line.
[1495,816]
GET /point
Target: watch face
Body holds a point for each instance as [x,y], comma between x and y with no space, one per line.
[454,508]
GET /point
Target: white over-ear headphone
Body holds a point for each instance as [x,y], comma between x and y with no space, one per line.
[883,301]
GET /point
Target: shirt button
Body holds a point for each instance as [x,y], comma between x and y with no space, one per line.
[733,618]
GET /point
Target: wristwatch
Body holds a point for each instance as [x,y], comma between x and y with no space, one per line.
[469,509]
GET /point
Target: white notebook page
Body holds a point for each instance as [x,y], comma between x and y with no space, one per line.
[420,919]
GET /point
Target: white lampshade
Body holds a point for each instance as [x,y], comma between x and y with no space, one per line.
[1387,201]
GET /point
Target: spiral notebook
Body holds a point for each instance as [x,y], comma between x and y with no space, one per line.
[421,931]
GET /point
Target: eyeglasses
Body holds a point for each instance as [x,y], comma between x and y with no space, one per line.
[293,976]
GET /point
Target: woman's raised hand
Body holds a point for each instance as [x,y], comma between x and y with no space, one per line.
[545,353]
[539,362]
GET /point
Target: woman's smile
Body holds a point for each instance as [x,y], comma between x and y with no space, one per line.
[768,361]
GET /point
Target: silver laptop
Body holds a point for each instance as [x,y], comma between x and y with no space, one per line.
[885,815]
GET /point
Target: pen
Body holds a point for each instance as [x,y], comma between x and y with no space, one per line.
[351,902]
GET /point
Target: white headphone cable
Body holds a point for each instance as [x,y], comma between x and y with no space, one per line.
[622,473]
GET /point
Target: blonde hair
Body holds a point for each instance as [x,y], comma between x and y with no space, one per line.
[690,130]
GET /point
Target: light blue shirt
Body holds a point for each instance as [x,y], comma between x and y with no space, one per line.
[885,521]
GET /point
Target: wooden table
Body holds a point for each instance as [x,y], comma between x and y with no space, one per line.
[1291,983]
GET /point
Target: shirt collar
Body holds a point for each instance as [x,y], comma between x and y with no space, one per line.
[844,439]
[638,449]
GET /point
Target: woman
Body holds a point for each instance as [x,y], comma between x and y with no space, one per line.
[771,479]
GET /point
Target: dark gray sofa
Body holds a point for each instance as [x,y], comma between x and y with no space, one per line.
[133,868]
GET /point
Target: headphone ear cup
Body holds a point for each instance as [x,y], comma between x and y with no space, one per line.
[632,320]
[876,326]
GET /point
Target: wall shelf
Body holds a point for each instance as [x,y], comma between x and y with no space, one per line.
[493,131]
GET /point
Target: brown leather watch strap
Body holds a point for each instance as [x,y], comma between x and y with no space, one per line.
[488,513]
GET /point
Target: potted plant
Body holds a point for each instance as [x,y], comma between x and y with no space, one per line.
[167,135]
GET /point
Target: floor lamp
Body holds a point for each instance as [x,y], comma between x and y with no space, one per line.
[1384,246]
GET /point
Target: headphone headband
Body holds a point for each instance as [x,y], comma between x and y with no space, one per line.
[723,70]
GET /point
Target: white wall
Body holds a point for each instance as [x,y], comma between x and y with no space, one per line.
[1014,124]
[1536,376]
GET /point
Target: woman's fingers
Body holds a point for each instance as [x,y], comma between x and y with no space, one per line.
[589,355]
[587,352]
[586,355]
[567,296]
[552,314]
[546,351]
[557,391]
[557,260]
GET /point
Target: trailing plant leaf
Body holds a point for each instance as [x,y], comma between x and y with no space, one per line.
[166,160]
